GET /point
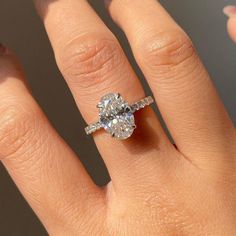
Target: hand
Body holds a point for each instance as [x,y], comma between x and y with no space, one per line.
[155,189]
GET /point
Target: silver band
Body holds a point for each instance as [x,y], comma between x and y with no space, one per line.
[135,107]
[93,128]
[147,101]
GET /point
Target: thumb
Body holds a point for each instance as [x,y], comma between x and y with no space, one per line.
[230,11]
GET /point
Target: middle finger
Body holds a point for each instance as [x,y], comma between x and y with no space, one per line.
[187,99]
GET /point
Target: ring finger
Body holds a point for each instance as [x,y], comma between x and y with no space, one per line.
[93,64]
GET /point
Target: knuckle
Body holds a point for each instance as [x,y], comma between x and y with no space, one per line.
[167,49]
[89,60]
[16,127]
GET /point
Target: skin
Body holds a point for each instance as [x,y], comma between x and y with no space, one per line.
[155,189]
[230,11]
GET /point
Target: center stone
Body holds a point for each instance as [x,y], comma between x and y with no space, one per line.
[116,116]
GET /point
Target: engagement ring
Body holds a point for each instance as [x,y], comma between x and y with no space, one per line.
[116,116]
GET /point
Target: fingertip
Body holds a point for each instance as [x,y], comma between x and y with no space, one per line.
[230,11]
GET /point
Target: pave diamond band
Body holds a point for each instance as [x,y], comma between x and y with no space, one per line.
[117,116]
[93,128]
[147,101]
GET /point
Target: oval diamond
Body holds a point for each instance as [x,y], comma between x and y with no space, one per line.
[116,116]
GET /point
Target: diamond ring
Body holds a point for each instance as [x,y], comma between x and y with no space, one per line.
[116,116]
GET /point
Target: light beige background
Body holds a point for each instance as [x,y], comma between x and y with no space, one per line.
[21,29]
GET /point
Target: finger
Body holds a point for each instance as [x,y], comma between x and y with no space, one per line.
[230,11]
[185,95]
[44,168]
[93,65]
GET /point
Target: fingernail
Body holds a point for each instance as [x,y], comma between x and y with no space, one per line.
[3,50]
[107,3]
[230,11]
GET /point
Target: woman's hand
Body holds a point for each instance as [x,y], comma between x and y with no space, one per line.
[155,189]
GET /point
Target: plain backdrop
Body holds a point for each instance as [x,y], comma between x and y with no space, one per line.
[21,30]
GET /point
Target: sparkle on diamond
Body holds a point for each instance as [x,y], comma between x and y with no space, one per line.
[116,116]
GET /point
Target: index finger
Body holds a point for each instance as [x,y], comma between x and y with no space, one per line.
[44,168]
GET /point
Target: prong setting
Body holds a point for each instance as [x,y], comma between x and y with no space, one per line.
[118,95]
[116,116]
[99,105]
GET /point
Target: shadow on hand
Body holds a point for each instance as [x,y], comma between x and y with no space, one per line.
[146,136]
